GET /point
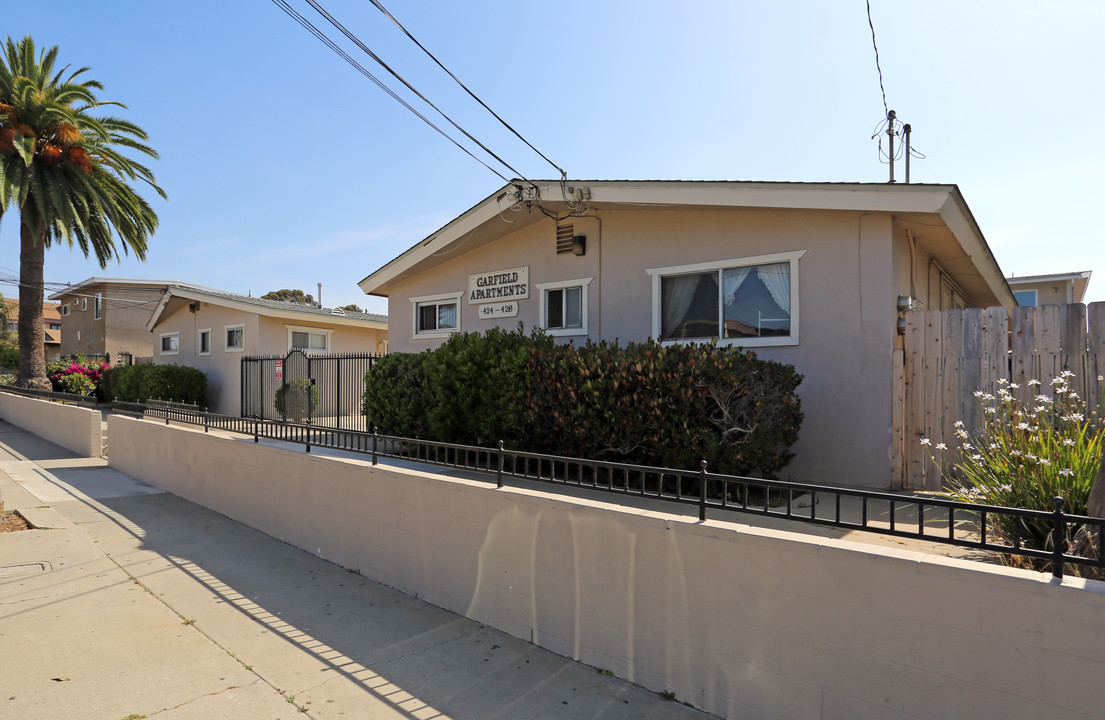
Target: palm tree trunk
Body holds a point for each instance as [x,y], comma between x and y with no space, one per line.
[32,351]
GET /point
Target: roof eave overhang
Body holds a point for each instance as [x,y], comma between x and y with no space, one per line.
[797,196]
[303,318]
[961,222]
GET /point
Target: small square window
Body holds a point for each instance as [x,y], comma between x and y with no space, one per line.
[170,343]
[235,337]
[564,307]
[437,315]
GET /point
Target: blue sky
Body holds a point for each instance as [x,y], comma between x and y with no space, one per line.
[285,167]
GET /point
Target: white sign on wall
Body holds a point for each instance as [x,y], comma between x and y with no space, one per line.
[498,310]
[497,286]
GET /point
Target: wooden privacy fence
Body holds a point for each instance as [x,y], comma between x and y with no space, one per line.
[951,354]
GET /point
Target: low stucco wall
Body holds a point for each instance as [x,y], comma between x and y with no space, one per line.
[74,428]
[743,622]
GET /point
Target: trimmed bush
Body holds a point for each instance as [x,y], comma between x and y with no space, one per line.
[480,383]
[646,403]
[291,399]
[397,395]
[138,383]
[671,406]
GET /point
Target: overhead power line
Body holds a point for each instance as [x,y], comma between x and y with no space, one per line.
[885,107]
[406,32]
[368,51]
[321,36]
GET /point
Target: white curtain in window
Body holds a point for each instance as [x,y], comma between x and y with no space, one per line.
[676,296]
[446,316]
[777,280]
[733,279]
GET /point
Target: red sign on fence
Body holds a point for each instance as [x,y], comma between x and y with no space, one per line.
[279,369]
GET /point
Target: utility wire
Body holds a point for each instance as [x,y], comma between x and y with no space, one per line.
[391,17]
[368,51]
[306,24]
[885,107]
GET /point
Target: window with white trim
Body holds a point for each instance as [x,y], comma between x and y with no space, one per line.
[564,306]
[65,309]
[751,302]
[308,340]
[84,304]
[235,337]
[170,343]
[436,315]
[98,307]
[203,341]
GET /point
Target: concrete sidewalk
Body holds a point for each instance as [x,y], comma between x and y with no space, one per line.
[136,603]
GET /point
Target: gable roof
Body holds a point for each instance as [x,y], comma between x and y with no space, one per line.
[922,203]
[267,308]
[88,284]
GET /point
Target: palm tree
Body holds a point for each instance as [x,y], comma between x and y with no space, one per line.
[63,169]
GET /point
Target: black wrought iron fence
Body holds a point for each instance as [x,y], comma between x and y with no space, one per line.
[928,518]
[319,389]
[67,398]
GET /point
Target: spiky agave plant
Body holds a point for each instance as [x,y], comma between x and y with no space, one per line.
[64,170]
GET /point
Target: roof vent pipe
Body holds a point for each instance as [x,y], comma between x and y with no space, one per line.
[320,294]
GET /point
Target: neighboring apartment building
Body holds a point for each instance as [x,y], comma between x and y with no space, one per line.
[106,317]
[212,331]
[51,326]
[811,274]
[1055,289]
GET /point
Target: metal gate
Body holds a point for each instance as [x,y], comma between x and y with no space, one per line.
[321,389]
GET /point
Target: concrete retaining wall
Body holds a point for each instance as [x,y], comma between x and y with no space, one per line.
[743,622]
[74,428]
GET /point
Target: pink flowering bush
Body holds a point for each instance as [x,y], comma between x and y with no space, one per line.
[60,372]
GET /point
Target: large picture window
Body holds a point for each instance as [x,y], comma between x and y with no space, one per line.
[436,315]
[749,302]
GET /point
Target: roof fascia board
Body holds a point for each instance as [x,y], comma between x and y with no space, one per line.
[233,304]
[110,281]
[957,216]
[155,316]
[864,198]
[1023,279]
[883,198]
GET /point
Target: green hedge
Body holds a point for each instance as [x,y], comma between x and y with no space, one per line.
[138,383]
[645,403]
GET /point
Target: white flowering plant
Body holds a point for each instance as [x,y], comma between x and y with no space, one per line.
[1024,454]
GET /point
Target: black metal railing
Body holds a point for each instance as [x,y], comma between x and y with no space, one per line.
[329,388]
[933,519]
[60,397]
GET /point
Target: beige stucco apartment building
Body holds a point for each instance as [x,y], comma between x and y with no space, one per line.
[811,274]
[213,330]
[107,316]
